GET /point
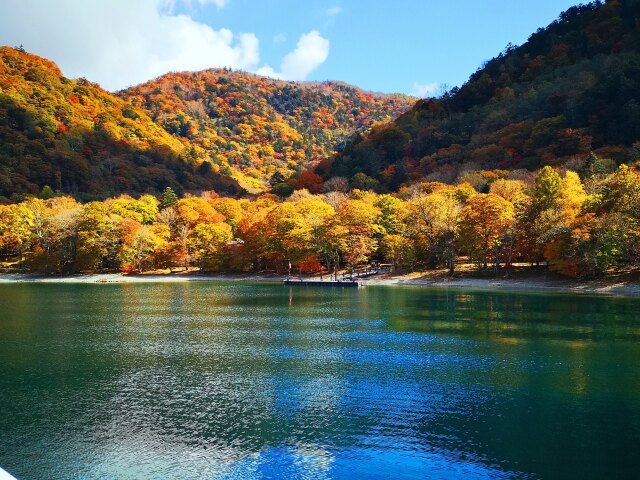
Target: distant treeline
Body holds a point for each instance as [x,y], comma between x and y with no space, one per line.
[578,226]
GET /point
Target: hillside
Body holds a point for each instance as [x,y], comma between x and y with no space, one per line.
[258,125]
[572,88]
[212,130]
[77,138]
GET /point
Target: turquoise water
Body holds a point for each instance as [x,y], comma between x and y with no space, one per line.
[244,381]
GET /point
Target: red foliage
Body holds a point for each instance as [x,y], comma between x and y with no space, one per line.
[311,181]
[311,265]
[126,268]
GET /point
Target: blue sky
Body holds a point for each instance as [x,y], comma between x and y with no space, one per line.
[406,46]
[387,45]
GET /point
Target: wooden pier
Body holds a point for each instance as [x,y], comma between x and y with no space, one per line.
[328,283]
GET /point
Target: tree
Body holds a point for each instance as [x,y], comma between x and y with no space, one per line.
[311,181]
[231,209]
[360,219]
[54,234]
[391,211]
[168,199]
[595,166]
[207,243]
[484,220]
[98,238]
[143,210]
[398,250]
[362,181]
[194,210]
[517,238]
[16,222]
[306,238]
[47,192]
[621,192]
[140,243]
[553,226]
[432,222]
[336,184]
[547,186]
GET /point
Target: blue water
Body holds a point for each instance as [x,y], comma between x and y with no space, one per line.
[242,381]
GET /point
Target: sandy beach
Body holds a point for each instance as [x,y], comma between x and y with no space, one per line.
[537,282]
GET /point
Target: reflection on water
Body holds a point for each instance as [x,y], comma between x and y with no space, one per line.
[207,380]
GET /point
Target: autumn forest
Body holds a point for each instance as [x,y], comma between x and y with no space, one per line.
[534,161]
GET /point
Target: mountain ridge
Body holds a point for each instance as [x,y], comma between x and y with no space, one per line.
[572,88]
[78,138]
[302,121]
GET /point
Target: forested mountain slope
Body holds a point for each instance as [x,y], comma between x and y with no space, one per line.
[572,88]
[258,125]
[212,130]
[77,138]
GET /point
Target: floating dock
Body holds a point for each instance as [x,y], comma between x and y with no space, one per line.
[318,283]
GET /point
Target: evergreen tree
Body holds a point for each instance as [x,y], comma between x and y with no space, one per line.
[47,192]
[168,199]
[595,165]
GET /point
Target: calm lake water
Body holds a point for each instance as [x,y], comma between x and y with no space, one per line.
[244,381]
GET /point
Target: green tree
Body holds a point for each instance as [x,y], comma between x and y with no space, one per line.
[362,181]
[168,199]
[47,192]
[595,166]
[547,186]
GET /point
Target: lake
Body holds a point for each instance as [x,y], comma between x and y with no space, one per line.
[245,381]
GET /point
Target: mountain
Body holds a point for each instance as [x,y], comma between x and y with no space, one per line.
[572,88]
[77,138]
[213,130]
[258,125]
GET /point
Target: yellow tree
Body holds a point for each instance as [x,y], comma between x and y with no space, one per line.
[555,224]
[231,209]
[275,231]
[54,234]
[98,237]
[360,218]
[483,223]
[207,242]
[432,221]
[16,223]
[397,250]
[140,243]
[194,210]
[306,237]
[518,238]
[253,254]
[143,210]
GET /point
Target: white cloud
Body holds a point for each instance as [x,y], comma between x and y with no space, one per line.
[121,42]
[169,5]
[310,52]
[334,10]
[423,90]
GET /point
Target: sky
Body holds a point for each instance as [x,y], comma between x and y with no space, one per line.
[416,47]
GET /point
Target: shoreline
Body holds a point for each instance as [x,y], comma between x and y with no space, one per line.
[531,283]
